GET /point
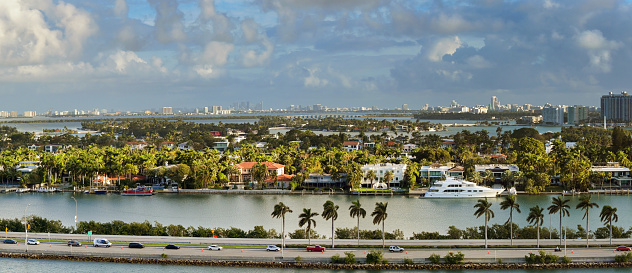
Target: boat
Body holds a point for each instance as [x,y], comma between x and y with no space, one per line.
[139,191]
[457,188]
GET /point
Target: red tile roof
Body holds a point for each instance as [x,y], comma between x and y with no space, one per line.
[249,165]
[348,143]
[282,177]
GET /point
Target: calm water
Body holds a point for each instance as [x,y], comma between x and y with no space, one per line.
[408,214]
[22,265]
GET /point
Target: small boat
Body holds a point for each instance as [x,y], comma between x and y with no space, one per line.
[99,192]
[139,191]
[22,190]
[456,188]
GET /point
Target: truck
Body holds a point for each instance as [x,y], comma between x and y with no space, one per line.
[315,248]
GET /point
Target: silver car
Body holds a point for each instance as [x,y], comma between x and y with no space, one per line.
[273,248]
[215,247]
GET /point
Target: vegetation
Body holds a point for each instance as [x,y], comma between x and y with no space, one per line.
[559,205]
[452,258]
[623,258]
[307,219]
[541,258]
[434,258]
[607,215]
[585,204]
[536,217]
[280,210]
[375,257]
[511,204]
[349,258]
[483,208]
[379,216]
[356,210]
[330,211]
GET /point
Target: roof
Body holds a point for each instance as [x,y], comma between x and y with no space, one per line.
[351,143]
[447,142]
[282,177]
[249,165]
[494,156]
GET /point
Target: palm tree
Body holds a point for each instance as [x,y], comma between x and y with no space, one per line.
[379,216]
[280,210]
[536,216]
[330,211]
[585,204]
[307,217]
[370,175]
[609,214]
[356,210]
[483,208]
[388,177]
[559,205]
[511,204]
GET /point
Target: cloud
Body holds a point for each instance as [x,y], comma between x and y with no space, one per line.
[168,23]
[216,53]
[442,47]
[120,8]
[599,49]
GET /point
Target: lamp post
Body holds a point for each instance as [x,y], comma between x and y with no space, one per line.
[73,198]
[26,230]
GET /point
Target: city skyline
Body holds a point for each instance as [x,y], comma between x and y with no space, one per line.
[136,54]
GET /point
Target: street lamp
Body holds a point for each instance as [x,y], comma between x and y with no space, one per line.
[26,230]
[73,198]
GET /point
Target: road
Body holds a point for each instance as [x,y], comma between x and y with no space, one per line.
[253,249]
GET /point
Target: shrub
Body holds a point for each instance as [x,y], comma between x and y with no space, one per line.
[566,260]
[163,255]
[298,259]
[622,258]
[542,258]
[500,261]
[336,259]
[452,258]
[350,259]
[408,261]
[434,258]
[374,257]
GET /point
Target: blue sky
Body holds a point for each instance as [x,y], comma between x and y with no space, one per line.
[144,54]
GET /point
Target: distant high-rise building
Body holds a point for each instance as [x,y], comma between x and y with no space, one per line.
[553,115]
[405,107]
[167,110]
[217,110]
[616,107]
[317,107]
[30,113]
[577,114]
[205,110]
[13,114]
[495,106]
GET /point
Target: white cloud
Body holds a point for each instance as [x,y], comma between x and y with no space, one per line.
[598,49]
[216,53]
[445,46]
[168,23]
[120,8]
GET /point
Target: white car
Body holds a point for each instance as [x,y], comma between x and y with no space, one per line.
[33,242]
[273,248]
[215,247]
[395,249]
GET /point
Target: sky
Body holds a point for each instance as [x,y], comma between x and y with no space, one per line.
[144,54]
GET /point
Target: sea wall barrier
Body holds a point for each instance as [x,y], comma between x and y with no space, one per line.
[313,263]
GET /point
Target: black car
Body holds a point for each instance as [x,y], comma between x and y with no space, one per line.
[73,243]
[10,241]
[172,247]
[136,245]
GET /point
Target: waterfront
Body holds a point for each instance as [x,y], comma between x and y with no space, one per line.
[409,214]
[54,266]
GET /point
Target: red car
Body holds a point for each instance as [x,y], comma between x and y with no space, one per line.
[623,248]
[315,248]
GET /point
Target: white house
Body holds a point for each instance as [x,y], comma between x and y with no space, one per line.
[352,145]
[380,170]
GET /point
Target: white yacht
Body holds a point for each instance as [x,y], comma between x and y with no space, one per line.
[455,188]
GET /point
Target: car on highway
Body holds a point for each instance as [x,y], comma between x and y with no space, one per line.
[272,248]
[10,241]
[136,245]
[395,249]
[33,242]
[315,248]
[172,246]
[623,248]
[101,242]
[215,247]
[73,243]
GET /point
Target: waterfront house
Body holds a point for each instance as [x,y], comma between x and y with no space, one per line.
[352,145]
[496,169]
[137,145]
[380,170]
[448,143]
[245,170]
[52,148]
[611,175]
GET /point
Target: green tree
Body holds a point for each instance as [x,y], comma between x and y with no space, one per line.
[356,210]
[559,205]
[388,177]
[307,218]
[607,215]
[536,217]
[330,211]
[370,175]
[260,173]
[585,204]
[483,209]
[511,204]
[379,216]
[280,210]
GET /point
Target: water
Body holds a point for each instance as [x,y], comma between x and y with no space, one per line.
[24,265]
[408,214]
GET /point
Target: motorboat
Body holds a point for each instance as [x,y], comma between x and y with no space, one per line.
[139,191]
[457,188]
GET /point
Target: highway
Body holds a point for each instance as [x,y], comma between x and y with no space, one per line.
[254,249]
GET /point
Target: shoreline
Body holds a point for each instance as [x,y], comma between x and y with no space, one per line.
[317,265]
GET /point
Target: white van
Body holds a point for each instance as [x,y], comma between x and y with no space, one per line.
[101,242]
